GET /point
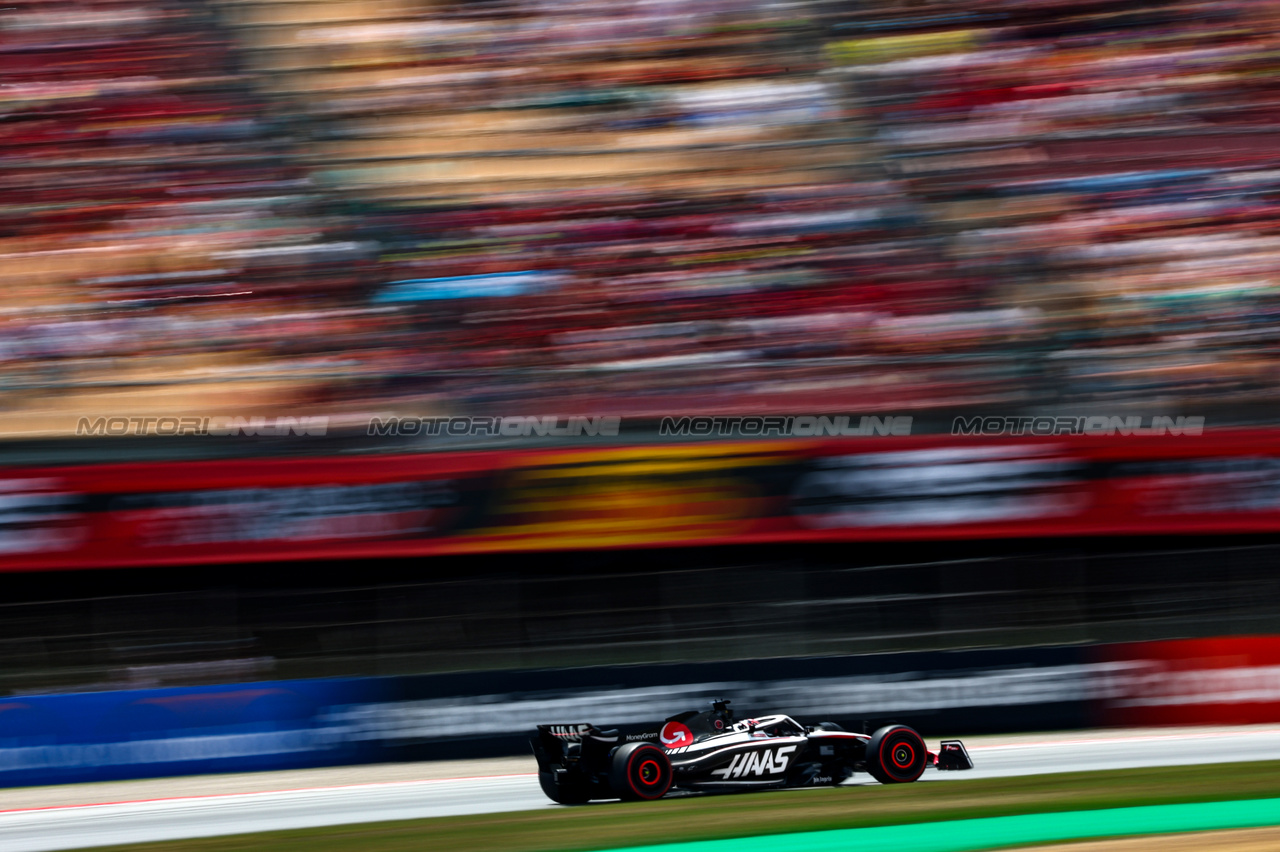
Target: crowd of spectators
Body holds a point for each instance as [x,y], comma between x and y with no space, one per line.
[638,207]
[1113,169]
[160,249]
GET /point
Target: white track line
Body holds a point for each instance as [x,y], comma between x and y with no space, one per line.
[208,796]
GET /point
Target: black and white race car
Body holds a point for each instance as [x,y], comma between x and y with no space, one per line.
[711,752]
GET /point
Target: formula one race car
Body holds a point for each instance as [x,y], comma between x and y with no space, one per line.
[710,752]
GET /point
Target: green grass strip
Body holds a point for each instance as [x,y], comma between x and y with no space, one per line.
[995,832]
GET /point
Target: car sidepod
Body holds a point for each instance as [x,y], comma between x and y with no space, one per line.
[740,761]
[831,757]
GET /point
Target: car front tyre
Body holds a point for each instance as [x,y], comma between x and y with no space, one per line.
[896,754]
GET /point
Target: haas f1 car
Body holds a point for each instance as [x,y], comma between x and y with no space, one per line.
[710,752]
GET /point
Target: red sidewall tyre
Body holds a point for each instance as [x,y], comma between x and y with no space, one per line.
[640,771]
[896,755]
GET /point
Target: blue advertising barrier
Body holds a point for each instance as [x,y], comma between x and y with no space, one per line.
[98,736]
[53,739]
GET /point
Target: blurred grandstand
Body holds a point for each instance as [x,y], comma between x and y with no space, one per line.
[637,207]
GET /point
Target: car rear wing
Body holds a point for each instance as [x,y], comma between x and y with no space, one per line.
[580,742]
[572,733]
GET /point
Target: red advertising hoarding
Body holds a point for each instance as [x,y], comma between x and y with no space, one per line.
[859,489]
[1228,680]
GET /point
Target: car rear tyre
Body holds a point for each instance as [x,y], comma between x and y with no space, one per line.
[896,755]
[564,789]
[640,772]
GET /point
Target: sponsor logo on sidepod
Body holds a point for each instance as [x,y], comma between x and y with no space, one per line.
[765,761]
[675,735]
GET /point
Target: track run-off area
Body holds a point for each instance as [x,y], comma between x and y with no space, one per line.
[89,815]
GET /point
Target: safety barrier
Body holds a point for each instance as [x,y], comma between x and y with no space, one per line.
[290,724]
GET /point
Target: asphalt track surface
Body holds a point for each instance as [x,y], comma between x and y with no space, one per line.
[34,829]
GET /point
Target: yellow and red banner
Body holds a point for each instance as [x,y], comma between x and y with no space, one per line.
[702,493]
